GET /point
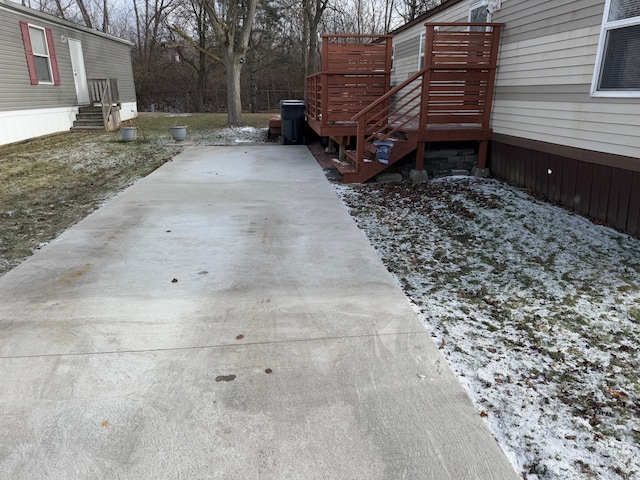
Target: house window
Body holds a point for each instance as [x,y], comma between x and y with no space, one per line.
[423,37]
[40,55]
[478,13]
[617,68]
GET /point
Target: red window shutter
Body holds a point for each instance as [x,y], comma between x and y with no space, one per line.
[53,58]
[31,65]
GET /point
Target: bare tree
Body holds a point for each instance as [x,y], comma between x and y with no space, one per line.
[312,10]
[85,14]
[412,9]
[232,22]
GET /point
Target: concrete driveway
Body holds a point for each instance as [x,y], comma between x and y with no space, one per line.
[225,318]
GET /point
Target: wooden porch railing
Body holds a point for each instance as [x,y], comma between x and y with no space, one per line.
[104,92]
[355,73]
[449,99]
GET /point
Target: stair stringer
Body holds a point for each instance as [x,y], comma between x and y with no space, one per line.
[367,170]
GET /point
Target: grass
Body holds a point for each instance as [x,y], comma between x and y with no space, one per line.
[543,298]
[52,182]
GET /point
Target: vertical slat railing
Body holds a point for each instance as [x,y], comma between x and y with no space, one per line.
[104,92]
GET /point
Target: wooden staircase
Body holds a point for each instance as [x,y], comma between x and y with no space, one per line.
[359,172]
[448,100]
[103,111]
[89,118]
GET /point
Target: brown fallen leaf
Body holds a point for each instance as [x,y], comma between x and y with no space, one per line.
[268,370]
[105,424]
[443,344]
[484,414]
[498,380]
[240,337]
[491,350]
[570,437]
[618,394]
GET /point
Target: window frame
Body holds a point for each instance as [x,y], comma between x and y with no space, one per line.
[476,5]
[52,63]
[47,56]
[393,58]
[421,48]
[605,28]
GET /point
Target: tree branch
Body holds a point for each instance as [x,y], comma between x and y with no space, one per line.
[194,44]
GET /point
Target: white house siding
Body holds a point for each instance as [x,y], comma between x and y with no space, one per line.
[546,65]
[20,125]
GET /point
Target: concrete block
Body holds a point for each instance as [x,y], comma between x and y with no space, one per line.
[459,172]
[471,158]
[388,178]
[418,176]
[466,151]
[481,172]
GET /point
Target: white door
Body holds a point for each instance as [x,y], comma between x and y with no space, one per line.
[79,72]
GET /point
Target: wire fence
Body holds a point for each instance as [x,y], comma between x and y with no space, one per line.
[215,101]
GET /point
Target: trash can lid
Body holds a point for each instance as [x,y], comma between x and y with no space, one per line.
[291,102]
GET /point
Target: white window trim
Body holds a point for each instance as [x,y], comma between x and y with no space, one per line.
[477,5]
[606,26]
[393,57]
[47,56]
[423,40]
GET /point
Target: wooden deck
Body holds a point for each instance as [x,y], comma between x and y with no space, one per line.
[356,71]
[449,100]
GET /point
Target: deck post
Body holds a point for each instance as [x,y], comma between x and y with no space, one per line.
[360,142]
[482,154]
[420,156]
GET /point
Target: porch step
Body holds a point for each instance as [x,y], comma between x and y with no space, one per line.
[361,170]
[89,118]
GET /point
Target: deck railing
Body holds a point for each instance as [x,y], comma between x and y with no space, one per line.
[104,92]
[355,73]
[453,91]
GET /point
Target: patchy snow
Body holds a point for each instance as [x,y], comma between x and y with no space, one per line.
[229,136]
[536,309]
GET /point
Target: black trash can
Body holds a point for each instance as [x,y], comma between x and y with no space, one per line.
[292,122]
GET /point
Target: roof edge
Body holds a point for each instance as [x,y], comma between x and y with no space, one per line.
[422,18]
[16,7]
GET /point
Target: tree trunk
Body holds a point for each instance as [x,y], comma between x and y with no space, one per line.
[85,14]
[105,17]
[234,102]
[201,82]
[233,30]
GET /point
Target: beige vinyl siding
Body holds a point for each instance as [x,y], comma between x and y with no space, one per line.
[531,19]
[557,59]
[592,126]
[545,68]
[105,57]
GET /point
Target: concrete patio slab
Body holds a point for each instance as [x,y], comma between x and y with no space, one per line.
[225,318]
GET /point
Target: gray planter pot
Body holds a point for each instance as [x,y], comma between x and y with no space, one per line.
[178,133]
[129,134]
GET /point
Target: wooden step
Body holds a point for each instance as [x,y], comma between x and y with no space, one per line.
[368,168]
[78,128]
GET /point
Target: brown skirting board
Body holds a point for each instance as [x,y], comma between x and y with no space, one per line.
[601,186]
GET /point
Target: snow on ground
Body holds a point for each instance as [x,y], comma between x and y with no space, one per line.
[536,309]
[229,136]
